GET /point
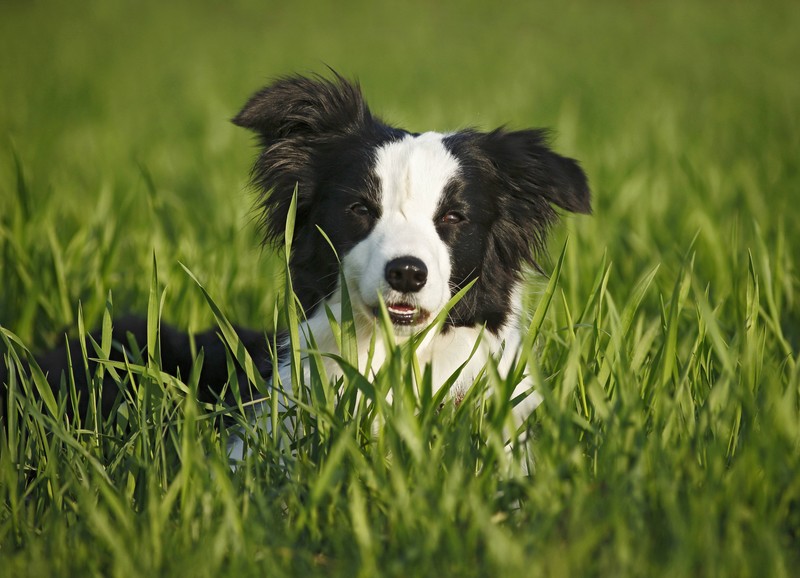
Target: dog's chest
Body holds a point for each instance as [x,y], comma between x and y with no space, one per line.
[453,358]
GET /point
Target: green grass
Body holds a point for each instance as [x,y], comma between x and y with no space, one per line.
[669,355]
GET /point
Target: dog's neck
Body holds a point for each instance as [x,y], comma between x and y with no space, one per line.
[448,350]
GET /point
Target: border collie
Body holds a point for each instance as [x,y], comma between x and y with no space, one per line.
[410,218]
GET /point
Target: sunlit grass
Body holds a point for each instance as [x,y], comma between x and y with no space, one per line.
[665,341]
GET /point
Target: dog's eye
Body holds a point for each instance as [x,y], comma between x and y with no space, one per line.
[360,209]
[451,218]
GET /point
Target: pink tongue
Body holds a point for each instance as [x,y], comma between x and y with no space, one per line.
[401,308]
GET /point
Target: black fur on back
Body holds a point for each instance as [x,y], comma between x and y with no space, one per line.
[176,359]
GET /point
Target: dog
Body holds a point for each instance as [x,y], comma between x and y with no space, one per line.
[407,219]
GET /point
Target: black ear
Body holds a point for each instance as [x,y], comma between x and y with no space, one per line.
[298,107]
[295,118]
[526,163]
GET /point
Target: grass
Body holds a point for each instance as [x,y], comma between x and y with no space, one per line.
[668,442]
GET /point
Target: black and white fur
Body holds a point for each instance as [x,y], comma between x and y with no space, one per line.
[413,218]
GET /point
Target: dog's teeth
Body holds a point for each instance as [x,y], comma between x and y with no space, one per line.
[405,314]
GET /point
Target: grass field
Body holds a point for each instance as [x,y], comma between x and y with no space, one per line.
[669,356]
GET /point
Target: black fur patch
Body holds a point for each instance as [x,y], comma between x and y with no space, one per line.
[507,182]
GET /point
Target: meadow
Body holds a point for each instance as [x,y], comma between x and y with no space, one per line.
[665,338]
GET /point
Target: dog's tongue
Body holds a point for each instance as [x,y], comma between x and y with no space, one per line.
[401,308]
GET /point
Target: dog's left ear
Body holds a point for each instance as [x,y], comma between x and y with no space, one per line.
[525,162]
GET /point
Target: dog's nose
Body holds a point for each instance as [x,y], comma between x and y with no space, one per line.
[406,274]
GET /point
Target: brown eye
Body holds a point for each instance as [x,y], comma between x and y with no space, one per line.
[360,209]
[451,218]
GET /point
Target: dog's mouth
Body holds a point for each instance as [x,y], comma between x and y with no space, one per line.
[404,314]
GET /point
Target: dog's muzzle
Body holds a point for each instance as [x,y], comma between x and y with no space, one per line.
[406,275]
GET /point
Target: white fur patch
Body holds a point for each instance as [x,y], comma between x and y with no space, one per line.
[413,173]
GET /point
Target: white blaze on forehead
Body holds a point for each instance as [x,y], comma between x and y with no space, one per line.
[413,173]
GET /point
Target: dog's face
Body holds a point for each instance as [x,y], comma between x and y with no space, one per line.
[413,218]
[405,258]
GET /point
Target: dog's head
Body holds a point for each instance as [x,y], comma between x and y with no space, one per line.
[413,217]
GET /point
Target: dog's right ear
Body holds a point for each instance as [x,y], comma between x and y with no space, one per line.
[292,118]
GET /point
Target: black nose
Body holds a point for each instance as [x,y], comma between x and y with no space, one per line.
[406,274]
